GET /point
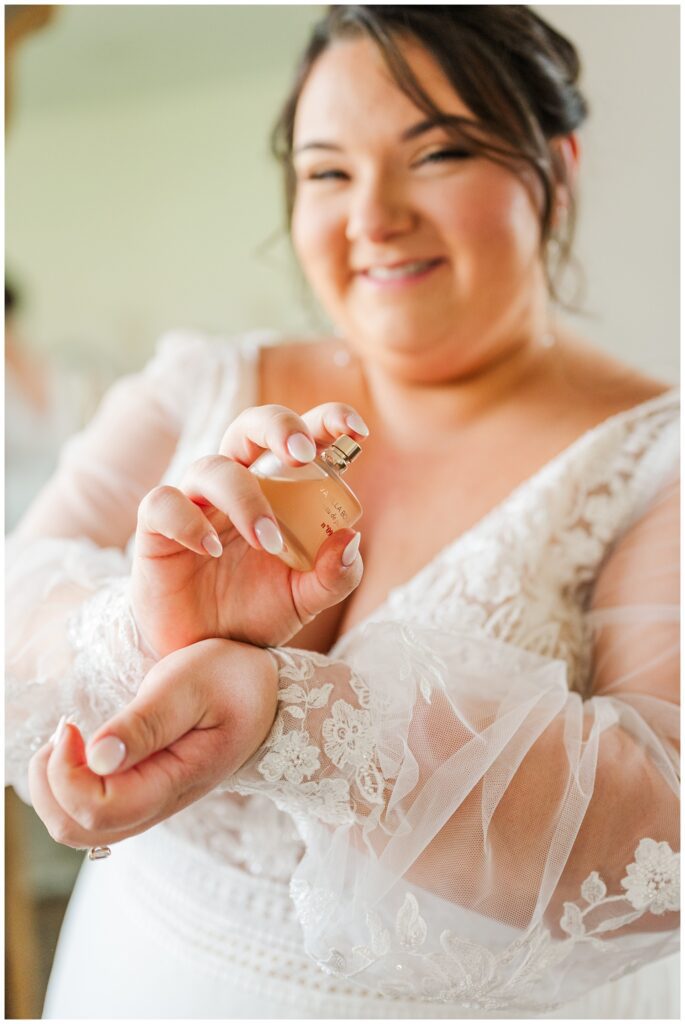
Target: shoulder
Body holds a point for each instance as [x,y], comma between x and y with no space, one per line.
[190,366]
[302,372]
[186,348]
[190,356]
[600,384]
[190,369]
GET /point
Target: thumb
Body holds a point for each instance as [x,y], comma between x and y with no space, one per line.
[158,716]
[68,738]
[337,571]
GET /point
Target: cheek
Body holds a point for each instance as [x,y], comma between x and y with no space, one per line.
[494,222]
[318,237]
[521,216]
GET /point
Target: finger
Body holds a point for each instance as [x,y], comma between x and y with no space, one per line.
[164,709]
[290,437]
[164,750]
[166,515]
[273,427]
[74,787]
[337,571]
[235,491]
[104,810]
[140,799]
[61,827]
[163,784]
[331,419]
[73,800]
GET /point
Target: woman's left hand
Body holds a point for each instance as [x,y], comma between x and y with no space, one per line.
[200,713]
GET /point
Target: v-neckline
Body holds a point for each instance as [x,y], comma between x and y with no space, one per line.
[253,347]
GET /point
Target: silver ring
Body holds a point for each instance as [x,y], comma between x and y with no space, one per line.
[98,852]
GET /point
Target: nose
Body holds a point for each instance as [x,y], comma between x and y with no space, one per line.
[378,211]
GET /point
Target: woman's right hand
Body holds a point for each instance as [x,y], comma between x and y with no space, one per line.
[183,592]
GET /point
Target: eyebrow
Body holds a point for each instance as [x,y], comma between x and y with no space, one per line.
[413,132]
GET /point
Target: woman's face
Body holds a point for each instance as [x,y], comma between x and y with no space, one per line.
[424,256]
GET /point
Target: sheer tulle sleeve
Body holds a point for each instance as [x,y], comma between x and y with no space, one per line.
[71,642]
[476,832]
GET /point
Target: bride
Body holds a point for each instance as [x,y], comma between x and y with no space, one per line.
[436,775]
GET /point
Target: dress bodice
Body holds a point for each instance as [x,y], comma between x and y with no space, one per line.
[523,574]
[431,734]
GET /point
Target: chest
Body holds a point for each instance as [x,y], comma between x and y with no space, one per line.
[416,506]
[395,545]
[411,514]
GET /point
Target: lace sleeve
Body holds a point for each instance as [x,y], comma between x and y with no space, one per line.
[71,643]
[476,832]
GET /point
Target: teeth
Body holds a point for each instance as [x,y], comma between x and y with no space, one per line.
[388,273]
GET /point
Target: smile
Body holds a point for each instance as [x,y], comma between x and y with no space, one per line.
[401,273]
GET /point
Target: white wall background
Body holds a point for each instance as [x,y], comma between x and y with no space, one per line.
[140,192]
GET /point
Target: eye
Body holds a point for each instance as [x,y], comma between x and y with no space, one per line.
[329,175]
[442,155]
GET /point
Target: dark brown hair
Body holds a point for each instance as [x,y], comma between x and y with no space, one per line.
[514,71]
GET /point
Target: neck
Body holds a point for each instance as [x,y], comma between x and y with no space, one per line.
[409,414]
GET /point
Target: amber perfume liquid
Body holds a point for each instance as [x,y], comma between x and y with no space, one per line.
[309,502]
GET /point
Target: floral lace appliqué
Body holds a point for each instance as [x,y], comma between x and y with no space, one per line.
[471,975]
[110,661]
[349,738]
[523,573]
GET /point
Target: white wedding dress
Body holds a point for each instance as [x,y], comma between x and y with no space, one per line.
[467,808]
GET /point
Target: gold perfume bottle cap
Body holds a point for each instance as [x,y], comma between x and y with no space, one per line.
[348,448]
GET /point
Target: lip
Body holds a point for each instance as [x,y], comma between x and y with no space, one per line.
[404,279]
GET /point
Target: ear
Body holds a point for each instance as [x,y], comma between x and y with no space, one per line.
[566,149]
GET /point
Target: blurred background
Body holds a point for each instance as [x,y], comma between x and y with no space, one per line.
[141,195]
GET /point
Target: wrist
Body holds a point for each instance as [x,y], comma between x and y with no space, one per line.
[136,607]
[241,682]
[262,679]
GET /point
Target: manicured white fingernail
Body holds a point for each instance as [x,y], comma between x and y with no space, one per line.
[350,553]
[301,448]
[212,545]
[106,756]
[59,731]
[268,535]
[357,424]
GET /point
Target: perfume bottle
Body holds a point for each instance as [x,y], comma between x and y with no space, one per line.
[310,502]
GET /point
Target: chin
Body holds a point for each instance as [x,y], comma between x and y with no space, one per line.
[401,355]
[395,333]
[401,333]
